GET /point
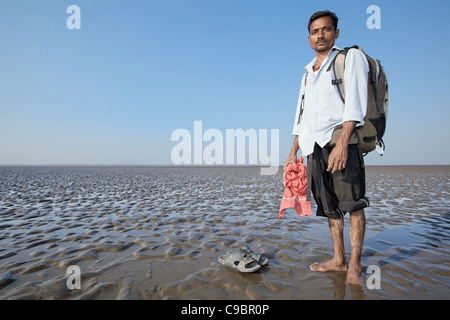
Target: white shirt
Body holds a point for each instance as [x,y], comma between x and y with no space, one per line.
[323,108]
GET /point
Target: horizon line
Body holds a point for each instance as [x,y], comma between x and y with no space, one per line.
[191,165]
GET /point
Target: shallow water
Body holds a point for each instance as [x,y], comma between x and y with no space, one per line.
[156,233]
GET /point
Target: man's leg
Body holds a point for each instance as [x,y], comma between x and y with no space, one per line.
[338,263]
[357,231]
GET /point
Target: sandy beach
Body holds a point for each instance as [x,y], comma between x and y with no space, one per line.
[156,233]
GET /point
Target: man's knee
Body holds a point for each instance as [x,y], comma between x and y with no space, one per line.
[357,213]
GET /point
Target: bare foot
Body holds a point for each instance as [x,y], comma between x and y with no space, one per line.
[330,265]
[355,276]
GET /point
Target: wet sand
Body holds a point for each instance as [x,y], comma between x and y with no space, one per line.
[156,233]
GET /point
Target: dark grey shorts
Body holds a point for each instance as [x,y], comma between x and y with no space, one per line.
[341,192]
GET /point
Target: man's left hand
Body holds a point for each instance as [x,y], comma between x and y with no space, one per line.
[337,159]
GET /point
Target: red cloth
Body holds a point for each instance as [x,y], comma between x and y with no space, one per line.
[294,195]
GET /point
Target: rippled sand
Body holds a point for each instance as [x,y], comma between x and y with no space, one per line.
[156,233]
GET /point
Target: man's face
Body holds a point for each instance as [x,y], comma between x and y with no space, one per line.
[322,34]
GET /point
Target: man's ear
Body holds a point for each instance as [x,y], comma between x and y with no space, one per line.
[337,34]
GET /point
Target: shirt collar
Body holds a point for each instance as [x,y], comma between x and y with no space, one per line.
[309,67]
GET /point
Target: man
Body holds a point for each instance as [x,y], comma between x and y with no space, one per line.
[337,174]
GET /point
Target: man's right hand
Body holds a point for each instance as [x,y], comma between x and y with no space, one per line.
[291,159]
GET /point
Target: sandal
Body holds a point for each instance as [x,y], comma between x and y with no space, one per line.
[238,261]
[262,260]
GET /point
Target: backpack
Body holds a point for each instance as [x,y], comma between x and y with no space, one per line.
[371,133]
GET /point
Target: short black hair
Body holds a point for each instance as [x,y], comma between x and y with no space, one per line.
[320,14]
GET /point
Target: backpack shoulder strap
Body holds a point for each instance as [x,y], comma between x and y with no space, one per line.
[300,103]
[342,52]
[338,65]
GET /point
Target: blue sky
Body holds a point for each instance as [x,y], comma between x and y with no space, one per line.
[115,90]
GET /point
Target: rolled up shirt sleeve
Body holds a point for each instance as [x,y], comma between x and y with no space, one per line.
[356,82]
